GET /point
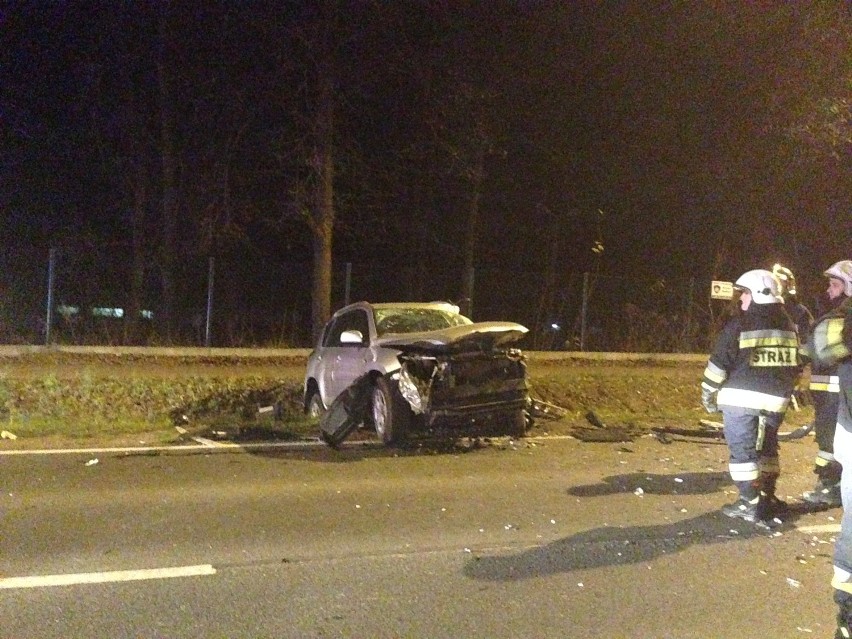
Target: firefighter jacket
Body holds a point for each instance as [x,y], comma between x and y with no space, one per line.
[800,315]
[824,377]
[831,344]
[755,361]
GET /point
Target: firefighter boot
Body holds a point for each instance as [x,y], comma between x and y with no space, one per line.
[827,489]
[775,507]
[844,615]
[824,494]
[751,505]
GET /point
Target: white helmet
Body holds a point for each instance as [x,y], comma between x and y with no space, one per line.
[786,278]
[763,286]
[842,270]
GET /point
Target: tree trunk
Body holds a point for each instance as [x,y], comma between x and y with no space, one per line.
[323,209]
[168,246]
[472,233]
[133,321]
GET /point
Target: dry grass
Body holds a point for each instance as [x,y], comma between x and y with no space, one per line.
[55,399]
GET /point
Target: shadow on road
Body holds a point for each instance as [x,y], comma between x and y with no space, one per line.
[680,484]
[613,546]
[359,450]
[602,547]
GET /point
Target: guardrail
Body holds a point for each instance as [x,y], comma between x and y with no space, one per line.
[294,353]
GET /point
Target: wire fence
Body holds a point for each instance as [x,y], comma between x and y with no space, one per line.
[83,297]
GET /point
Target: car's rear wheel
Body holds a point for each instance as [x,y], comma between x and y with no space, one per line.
[315,408]
[390,413]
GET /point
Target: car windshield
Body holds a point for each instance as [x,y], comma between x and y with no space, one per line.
[415,320]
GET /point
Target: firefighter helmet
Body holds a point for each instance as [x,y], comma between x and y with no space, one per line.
[786,279]
[763,286]
[842,271]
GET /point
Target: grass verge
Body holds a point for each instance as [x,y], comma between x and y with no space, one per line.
[52,399]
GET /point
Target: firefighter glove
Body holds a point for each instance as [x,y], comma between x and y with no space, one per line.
[708,400]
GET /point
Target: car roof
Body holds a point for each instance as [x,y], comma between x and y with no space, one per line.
[441,306]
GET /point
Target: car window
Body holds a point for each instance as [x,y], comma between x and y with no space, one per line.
[352,321]
[415,320]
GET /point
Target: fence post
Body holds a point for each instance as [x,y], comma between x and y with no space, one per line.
[208,327]
[688,324]
[584,312]
[348,285]
[51,281]
[469,284]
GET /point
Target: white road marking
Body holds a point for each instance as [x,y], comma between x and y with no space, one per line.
[45,581]
[208,442]
[222,446]
[820,528]
[181,448]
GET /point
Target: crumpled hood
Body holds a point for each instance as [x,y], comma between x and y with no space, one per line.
[470,337]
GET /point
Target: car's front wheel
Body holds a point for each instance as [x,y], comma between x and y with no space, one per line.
[315,408]
[390,413]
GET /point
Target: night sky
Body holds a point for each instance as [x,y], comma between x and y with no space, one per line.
[694,140]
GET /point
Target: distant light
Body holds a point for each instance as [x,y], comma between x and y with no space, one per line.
[67,311]
[555,326]
[100,311]
[147,314]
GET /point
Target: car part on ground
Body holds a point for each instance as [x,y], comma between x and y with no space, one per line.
[715,430]
[347,412]
[540,409]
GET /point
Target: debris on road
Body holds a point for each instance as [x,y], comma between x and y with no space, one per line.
[92,461]
[7,435]
[715,430]
[797,433]
[349,409]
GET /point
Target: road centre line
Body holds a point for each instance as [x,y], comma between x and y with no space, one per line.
[45,581]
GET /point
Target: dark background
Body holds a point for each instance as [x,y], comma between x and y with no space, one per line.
[654,145]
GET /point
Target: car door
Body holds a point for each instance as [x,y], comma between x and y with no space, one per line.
[344,363]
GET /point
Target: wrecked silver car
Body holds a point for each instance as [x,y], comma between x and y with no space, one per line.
[403,367]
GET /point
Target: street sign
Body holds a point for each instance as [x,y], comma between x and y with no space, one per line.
[721,290]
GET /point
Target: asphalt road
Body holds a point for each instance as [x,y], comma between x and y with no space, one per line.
[551,538]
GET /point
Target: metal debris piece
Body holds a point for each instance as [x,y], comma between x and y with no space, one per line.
[541,409]
[796,433]
[717,427]
[662,432]
[347,411]
[593,420]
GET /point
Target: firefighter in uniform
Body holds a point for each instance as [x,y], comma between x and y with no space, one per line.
[799,313]
[831,343]
[750,377]
[824,388]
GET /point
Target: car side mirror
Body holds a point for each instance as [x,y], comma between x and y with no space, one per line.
[351,337]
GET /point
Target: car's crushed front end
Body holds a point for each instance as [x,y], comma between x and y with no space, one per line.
[464,373]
